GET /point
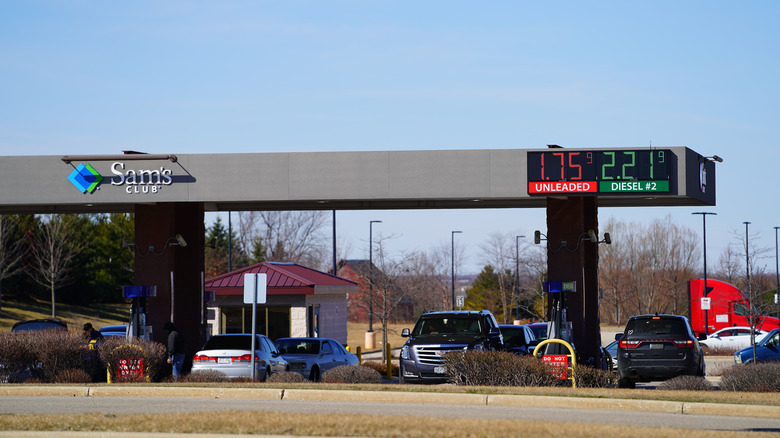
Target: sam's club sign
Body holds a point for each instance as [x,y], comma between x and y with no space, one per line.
[134,181]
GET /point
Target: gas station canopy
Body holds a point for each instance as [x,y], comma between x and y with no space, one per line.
[486,178]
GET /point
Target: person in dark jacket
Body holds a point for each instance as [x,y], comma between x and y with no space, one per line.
[92,339]
[175,350]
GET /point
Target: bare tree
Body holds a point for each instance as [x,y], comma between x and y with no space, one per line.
[52,249]
[12,251]
[287,236]
[499,252]
[441,261]
[646,268]
[612,275]
[681,266]
[728,268]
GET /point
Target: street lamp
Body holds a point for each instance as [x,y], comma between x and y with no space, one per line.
[777,277]
[747,261]
[371,274]
[453,268]
[517,271]
[706,291]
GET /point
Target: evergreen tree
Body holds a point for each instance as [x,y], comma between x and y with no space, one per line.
[219,251]
[482,293]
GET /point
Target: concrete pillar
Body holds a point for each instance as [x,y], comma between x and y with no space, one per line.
[567,220]
[155,225]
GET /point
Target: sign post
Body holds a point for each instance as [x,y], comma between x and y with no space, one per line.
[254,292]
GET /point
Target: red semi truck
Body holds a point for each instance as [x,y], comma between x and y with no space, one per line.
[728,307]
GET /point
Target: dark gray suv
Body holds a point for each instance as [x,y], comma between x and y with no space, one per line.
[438,333]
[657,347]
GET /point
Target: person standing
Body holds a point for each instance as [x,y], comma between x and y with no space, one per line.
[90,355]
[175,350]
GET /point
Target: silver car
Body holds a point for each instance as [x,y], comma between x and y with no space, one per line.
[231,355]
[310,357]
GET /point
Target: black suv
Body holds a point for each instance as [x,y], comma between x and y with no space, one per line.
[438,333]
[657,347]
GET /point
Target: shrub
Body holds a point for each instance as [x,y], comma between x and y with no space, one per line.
[718,351]
[286,377]
[73,375]
[381,367]
[686,383]
[589,377]
[17,356]
[351,374]
[754,377]
[40,355]
[114,350]
[497,368]
[202,376]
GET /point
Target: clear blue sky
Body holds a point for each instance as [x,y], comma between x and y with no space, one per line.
[88,77]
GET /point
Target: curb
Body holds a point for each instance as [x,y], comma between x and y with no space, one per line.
[659,406]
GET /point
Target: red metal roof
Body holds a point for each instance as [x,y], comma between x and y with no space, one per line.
[282,278]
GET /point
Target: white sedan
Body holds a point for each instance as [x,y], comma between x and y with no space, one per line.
[731,338]
[231,355]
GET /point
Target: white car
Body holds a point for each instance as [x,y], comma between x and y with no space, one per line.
[731,338]
[231,355]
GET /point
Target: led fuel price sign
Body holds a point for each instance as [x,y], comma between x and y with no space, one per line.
[598,172]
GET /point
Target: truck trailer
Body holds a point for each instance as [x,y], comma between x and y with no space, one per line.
[728,307]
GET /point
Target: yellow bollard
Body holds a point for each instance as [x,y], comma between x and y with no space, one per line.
[388,350]
[358,352]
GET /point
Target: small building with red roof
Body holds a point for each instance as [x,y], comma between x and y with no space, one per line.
[300,301]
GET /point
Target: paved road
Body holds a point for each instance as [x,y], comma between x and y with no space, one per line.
[616,416]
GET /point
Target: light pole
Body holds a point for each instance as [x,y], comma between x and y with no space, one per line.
[747,276]
[517,271]
[704,234]
[452,272]
[371,274]
[777,276]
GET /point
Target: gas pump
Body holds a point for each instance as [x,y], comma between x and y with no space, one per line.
[559,326]
[139,309]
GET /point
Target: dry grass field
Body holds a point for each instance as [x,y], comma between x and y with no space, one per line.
[99,314]
[356,333]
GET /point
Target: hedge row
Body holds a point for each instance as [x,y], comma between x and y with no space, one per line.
[63,357]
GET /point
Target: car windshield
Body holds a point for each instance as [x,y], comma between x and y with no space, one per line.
[299,346]
[448,325]
[771,341]
[513,336]
[230,342]
[540,331]
[655,326]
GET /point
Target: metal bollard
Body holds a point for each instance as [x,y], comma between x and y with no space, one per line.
[358,352]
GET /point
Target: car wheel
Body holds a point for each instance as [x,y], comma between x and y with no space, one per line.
[401,379]
[626,383]
[266,375]
[314,376]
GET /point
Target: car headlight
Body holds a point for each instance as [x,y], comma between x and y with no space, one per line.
[479,347]
[405,352]
[737,359]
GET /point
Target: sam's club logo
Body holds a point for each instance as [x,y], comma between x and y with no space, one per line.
[85,178]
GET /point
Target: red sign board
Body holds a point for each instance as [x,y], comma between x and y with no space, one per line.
[559,363]
[130,369]
[563,187]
